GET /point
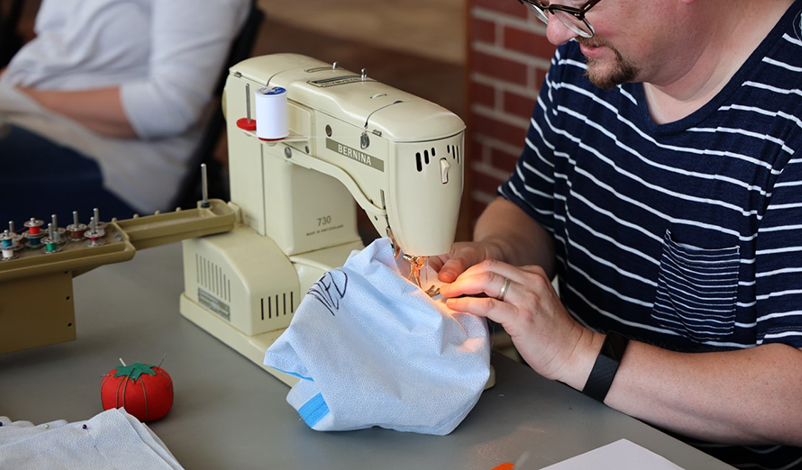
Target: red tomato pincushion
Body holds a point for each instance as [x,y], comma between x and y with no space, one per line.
[145,391]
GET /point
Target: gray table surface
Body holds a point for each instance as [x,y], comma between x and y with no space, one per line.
[230,414]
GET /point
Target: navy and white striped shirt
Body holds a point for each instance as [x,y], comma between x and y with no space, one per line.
[686,235]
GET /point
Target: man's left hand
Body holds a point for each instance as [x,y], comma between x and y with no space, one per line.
[546,336]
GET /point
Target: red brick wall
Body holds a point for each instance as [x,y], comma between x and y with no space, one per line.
[508,56]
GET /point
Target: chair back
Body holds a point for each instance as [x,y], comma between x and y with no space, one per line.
[10,39]
[190,192]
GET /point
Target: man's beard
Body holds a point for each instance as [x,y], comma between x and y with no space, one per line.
[622,71]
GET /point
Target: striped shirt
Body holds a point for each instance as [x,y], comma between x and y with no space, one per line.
[686,235]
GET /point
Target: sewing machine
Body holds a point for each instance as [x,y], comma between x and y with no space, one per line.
[352,140]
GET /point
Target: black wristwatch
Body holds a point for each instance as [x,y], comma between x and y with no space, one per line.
[603,373]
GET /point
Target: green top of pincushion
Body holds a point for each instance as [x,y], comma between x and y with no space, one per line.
[134,370]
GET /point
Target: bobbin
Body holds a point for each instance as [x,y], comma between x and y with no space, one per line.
[34,233]
[8,246]
[58,232]
[76,229]
[94,234]
[51,243]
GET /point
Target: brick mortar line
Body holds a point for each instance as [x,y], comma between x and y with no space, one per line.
[506,118]
[489,170]
[531,25]
[498,84]
[490,142]
[520,57]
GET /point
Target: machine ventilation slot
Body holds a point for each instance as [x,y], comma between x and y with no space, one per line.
[211,277]
[454,151]
[425,160]
[278,305]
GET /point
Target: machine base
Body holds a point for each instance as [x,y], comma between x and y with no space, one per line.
[252,347]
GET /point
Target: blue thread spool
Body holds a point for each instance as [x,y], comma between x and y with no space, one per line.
[56,233]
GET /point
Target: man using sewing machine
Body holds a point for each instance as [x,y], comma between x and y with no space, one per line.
[660,181]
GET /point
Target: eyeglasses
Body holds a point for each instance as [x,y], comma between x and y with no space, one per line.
[573,18]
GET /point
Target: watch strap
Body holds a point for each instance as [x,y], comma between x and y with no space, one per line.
[604,370]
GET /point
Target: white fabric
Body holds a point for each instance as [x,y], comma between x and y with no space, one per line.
[112,440]
[165,56]
[372,349]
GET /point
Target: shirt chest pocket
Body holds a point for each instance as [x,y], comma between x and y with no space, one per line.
[697,290]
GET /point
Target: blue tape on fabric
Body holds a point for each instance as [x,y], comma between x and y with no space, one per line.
[294,374]
[314,410]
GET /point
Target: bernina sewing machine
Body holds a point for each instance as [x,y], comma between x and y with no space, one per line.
[352,139]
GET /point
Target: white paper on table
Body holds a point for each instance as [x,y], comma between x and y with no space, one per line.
[620,455]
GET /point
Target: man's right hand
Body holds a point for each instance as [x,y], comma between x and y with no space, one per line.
[504,232]
[462,256]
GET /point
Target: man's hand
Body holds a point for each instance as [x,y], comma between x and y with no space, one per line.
[462,256]
[551,342]
[503,232]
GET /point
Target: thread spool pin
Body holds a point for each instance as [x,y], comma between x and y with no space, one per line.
[95,233]
[100,224]
[76,229]
[204,187]
[58,232]
[18,239]
[51,244]
[247,123]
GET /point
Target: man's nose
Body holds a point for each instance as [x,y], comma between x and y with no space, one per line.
[557,33]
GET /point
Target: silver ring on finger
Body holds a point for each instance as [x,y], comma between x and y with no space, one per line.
[504,288]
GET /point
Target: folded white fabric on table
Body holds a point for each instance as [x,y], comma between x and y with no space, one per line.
[373,349]
[112,439]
